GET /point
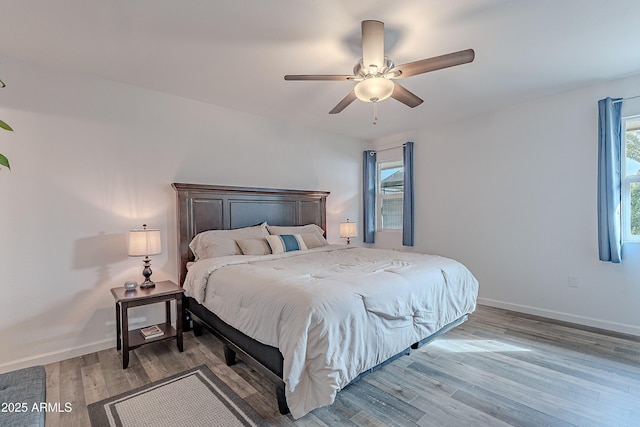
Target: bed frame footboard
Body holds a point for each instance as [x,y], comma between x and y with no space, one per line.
[230,360]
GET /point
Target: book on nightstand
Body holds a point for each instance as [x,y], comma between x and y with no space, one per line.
[151,332]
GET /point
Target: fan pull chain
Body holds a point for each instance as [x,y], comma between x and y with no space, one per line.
[375,113]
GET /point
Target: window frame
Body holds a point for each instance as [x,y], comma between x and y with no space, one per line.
[388,164]
[625,185]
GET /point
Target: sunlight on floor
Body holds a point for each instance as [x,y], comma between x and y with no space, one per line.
[474,346]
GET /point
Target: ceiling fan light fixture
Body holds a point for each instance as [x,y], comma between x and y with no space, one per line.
[374,81]
[374,89]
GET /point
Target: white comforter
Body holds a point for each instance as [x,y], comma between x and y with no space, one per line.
[334,311]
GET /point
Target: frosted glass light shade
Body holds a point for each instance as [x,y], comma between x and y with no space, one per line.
[144,242]
[348,229]
[374,89]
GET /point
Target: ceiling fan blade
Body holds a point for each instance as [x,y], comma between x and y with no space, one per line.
[432,64]
[318,77]
[351,96]
[373,43]
[403,95]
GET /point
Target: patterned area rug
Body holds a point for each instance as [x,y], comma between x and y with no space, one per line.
[192,398]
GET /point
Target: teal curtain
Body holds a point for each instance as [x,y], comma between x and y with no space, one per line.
[407,203]
[609,179]
[369,195]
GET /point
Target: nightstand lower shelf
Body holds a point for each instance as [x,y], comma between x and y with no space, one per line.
[136,339]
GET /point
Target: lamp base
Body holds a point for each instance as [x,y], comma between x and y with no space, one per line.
[147,284]
[147,274]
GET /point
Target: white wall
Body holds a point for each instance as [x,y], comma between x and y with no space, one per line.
[512,194]
[92,159]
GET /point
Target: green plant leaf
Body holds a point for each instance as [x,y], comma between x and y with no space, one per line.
[5,126]
[4,161]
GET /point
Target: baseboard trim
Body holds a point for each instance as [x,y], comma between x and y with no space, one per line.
[57,356]
[566,317]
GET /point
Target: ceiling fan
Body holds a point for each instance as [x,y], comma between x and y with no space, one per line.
[375,73]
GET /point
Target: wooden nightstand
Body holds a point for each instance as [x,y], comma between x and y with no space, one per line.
[130,339]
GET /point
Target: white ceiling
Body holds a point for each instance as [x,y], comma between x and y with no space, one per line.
[234,53]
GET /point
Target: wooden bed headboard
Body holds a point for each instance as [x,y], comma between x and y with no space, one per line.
[214,207]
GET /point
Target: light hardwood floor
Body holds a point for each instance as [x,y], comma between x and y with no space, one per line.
[500,368]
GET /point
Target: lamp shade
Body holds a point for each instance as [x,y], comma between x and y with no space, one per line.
[144,242]
[348,229]
[374,89]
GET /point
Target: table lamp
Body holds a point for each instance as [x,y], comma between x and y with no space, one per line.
[145,242]
[348,230]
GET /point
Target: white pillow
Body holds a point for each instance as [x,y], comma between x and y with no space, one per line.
[286,243]
[314,240]
[216,243]
[254,246]
[301,229]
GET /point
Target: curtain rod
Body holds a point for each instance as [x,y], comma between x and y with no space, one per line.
[387,149]
[625,99]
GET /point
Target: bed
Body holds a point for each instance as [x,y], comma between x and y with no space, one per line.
[311,321]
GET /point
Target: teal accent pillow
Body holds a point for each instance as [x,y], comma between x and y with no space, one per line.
[286,243]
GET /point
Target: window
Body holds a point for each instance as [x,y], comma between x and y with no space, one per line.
[390,194]
[630,171]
